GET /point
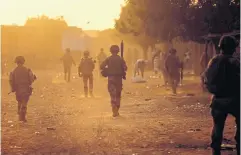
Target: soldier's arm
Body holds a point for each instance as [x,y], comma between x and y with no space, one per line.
[103,64]
[179,63]
[11,82]
[32,77]
[124,65]
[80,66]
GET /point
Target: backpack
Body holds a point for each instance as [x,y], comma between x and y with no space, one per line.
[215,75]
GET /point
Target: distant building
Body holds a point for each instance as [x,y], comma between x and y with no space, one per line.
[75,39]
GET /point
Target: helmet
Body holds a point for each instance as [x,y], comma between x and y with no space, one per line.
[114,49]
[67,50]
[227,43]
[86,53]
[19,60]
[173,51]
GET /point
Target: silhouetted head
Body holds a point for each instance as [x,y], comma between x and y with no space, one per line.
[173,51]
[86,53]
[114,49]
[67,50]
[19,60]
[228,45]
[101,49]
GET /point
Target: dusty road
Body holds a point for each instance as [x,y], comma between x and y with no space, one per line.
[151,122]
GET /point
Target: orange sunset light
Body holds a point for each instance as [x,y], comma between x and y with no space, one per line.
[87,14]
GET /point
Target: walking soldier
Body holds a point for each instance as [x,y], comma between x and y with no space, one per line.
[85,70]
[114,67]
[21,79]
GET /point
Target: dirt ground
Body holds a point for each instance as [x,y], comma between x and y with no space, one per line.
[152,121]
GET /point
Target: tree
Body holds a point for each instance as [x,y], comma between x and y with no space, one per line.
[152,21]
[46,22]
[163,20]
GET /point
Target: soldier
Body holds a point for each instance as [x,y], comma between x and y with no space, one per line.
[67,62]
[173,66]
[21,79]
[163,68]
[114,67]
[85,70]
[140,67]
[222,79]
[101,56]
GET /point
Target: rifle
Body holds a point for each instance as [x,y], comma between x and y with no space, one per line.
[122,56]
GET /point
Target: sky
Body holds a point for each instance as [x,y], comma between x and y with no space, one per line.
[86,14]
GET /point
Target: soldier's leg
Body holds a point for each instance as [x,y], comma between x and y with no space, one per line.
[85,81]
[65,73]
[19,100]
[112,92]
[172,82]
[114,104]
[219,119]
[142,72]
[23,108]
[118,100]
[91,85]
[236,114]
[176,83]
[69,73]
[135,71]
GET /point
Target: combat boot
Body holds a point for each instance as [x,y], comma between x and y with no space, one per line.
[114,111]
[20,117]
[86,91]
[117,111]
[174,90]
[23,117]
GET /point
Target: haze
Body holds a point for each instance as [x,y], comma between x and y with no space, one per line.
[87,14]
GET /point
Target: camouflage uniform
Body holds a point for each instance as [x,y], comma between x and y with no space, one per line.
[85,70]
[173,65]
[67,62]
[116,68]
[21,79]
[222,79]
